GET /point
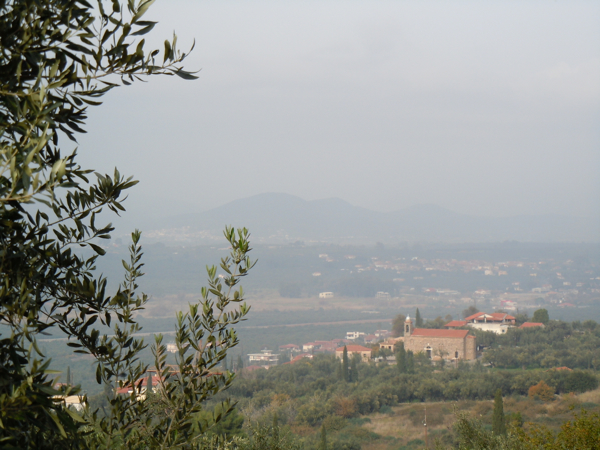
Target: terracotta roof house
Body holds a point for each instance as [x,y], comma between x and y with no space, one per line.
[364,352]
[532,325]
[300,357]
[439,344]
[289,347]
[495,322]
[456,324]
[141,386]
[370,339]
[392,343]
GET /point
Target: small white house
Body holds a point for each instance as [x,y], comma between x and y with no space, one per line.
[265,358]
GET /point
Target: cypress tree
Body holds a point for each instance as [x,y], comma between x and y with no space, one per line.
[418,319]
[68,382]
[498,425]
[240,363]
[353,375]
[338,371]
[345,364]
[323,443]
[401,359]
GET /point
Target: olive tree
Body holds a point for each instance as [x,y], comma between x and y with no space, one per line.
[57,58]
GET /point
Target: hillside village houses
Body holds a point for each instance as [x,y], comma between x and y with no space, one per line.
[449,344]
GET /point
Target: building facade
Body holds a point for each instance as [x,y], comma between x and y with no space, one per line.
[363,352]
[439,344]
[264,359]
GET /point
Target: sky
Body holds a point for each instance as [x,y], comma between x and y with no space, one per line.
[484,108]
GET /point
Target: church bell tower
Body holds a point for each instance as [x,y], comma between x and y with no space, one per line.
[408,328]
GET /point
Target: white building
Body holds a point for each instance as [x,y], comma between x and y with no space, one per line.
[352,335]
[326,295]
[265,359]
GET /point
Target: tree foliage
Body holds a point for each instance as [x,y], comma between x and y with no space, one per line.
[583,432]
[541,316]
[541,391]
[470,311]
[398,325]
[418,319]
[58,58]
[345,365]
[498,424]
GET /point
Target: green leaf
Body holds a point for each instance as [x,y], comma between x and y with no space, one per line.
[185,75]
[142,10]
[98,249]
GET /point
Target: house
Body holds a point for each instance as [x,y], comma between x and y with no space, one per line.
[289,348]
[264,359]
[497,323]
[326,295]
[382,334]
[300,357]
[456,324]
[325,346]
[75,402]
[532,325]
[309,346]
[352,335]
[363,352]
[141,386]
[392,343]
[370,339]
[439,344]
[172,347]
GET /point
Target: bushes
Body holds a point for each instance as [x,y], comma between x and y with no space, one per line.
[541,391]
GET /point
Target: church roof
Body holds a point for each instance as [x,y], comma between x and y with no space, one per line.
[430,332]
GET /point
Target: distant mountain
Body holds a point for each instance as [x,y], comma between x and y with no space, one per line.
[276,217]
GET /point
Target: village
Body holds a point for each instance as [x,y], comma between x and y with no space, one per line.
[453,343]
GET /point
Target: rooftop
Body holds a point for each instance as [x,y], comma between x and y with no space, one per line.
[456,323]
[354,348]
[430,332]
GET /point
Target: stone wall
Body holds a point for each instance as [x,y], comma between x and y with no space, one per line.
[448,348]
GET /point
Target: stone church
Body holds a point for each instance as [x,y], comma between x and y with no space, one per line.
[439,344]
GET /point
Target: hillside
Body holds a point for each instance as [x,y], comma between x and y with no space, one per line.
[276,218]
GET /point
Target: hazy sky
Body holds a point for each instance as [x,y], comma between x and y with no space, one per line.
[488,108]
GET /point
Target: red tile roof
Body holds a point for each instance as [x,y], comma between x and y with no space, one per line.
[430,332]
[494,316]
[354,348]
[140,384]
[531,324]
[299,357]
[456,323]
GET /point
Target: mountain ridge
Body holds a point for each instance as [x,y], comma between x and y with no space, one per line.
[281,217]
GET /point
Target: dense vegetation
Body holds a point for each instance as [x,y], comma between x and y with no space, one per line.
[574,345]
